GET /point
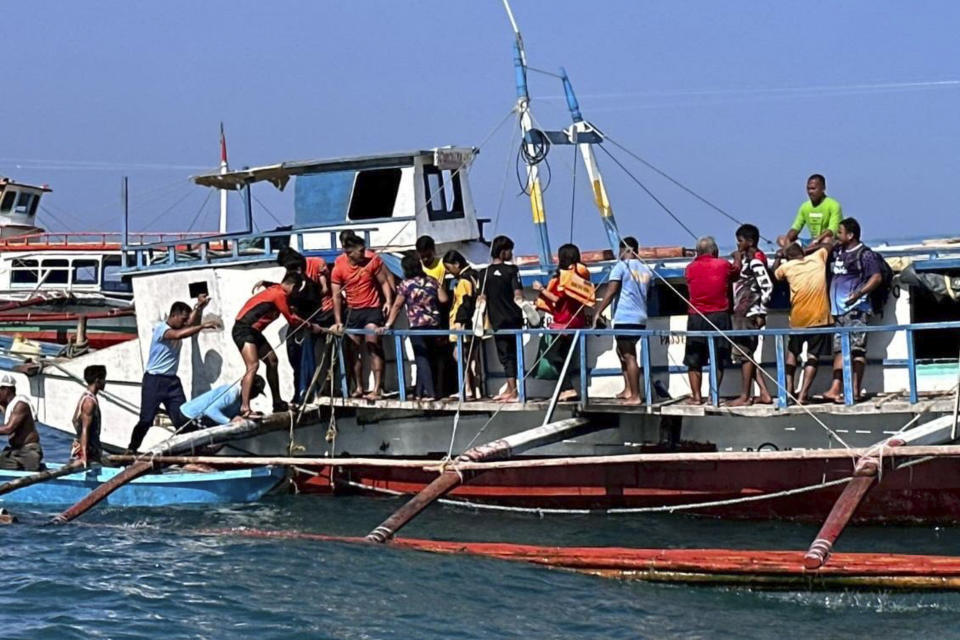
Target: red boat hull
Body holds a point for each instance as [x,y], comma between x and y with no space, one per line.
[927,492]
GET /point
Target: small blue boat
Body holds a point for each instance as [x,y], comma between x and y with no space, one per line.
[152,490]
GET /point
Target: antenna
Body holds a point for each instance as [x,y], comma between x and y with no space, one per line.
[224,168]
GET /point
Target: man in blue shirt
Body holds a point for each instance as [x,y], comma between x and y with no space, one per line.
[161,385]
[218,406]
[629,283]
[854,271]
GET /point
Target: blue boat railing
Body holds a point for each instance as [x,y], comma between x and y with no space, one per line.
[780,336]
[226,247]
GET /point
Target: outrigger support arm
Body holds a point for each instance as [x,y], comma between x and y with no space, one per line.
[585,135]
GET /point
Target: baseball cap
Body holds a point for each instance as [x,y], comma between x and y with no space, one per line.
[7,380]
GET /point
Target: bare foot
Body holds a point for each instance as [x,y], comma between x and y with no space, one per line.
[801,400]
[833,396]
[372,395]
[565,396]
[623,395]
[693,400]
[740,401]
[632,400]
[507,397]
[765,399]
[358,393]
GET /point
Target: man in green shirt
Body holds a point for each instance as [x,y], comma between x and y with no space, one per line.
[821,215]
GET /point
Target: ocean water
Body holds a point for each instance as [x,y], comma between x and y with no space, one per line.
[150,573]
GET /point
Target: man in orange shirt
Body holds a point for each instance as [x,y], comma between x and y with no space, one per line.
[362,280]
[809,308]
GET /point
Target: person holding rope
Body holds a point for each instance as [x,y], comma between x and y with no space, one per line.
[361,279]
[255,316]
[708,278]
[23,452]
[566,295]
[629,284]
[161,385]
[86,418]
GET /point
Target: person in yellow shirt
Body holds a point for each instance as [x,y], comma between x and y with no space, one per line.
[809,308]
[462,310]
[432,264]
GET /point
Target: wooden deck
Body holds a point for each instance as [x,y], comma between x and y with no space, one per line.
[891,403]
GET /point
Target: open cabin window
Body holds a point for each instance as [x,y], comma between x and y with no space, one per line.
[9,197]
[25,272]
[374,194]
[86,272]
[443,194]
[932,345]
[113,276]
[24,203]
[55,271]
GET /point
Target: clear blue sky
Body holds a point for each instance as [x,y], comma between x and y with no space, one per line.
[739,100]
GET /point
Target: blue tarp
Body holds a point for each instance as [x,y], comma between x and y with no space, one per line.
[322,198]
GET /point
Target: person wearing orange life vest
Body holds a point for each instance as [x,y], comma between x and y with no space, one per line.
[567,296]
[255,316]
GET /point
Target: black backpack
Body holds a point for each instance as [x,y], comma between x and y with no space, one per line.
[880,295]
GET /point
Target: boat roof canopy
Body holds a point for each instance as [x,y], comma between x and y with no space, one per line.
[279,174]
[7,182]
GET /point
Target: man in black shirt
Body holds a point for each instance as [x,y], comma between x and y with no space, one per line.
[502,292]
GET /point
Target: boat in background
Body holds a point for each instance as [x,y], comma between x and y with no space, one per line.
[154,490]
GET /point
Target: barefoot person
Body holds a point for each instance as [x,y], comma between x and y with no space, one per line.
[360,280]
[708,278]
[502,294]
[629,284]
[86,418]
[255,316]
[567,300]
[462,310]
[854,272]
[422,295]
[23,451]
[161,385]
[809,308]
[751,293]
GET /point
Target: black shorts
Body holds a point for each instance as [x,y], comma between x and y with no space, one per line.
[697,353]
[628,344]
[245,334]
[817,344]
[360,318]
[747,343]
[324,318]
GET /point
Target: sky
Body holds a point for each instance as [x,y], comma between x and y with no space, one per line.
[739,101]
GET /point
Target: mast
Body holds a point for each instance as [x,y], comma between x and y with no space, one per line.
[526,125]
[224,168]
[584,135]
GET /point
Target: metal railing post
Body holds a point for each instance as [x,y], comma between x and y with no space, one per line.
[714,386]
[848,397]
[401,376]
[645,360]
[461,392]
[344,386]
[521,368]
[581,338]
[782,397]
[911,368]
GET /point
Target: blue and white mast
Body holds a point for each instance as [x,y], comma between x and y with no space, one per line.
[526,125]
[585,135]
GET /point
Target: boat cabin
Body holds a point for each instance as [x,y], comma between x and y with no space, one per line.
[18,207]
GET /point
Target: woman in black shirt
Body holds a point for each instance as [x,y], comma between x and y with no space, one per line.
[501,291]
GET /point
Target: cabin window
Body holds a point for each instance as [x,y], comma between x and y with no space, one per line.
[25,272]
[34,205]
[8,199]
[443,194]
[85,271]
[934,344]
[113,275]
[24,203]
[56,271]
[663,301]
[374,194]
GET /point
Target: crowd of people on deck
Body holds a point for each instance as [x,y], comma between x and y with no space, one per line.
[833,280]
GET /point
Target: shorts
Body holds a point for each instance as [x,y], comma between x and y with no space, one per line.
[324,318]
[628,344]
[360,318]
[816,345]
[245,334]
[858,339]
[747,343]
[697,353]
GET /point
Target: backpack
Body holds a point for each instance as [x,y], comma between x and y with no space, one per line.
[880,295]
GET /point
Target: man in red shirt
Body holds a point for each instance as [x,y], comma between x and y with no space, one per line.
[708,278]
[362,280]
[254,317]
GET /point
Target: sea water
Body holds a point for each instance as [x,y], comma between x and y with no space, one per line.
[158,573]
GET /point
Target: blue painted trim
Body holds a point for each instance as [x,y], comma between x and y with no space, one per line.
[847,368]
[782,397]
[344,385]
[460,369]
[714,387]
[647,378]
[584,373]
[521,369]
[401,373]
[911,368]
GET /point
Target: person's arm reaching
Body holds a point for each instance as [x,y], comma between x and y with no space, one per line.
[386,289]
[15,418]
[393,313]
[186,332]
[613,288]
